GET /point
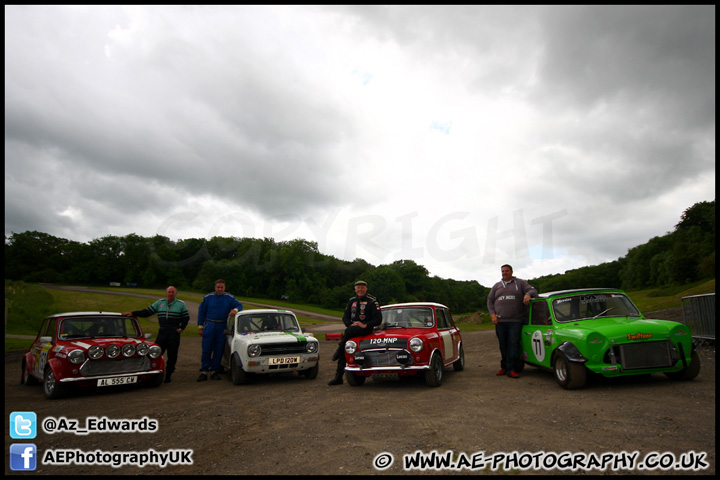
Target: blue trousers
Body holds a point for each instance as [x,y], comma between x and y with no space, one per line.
[213,346]
[508,334]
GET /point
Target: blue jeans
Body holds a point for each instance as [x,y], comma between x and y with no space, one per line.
[508,334]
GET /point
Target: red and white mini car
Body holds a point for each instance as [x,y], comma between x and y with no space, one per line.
[91,349]
[413,338]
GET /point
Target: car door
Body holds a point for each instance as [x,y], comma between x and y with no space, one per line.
[448,335]
[229,336]
[40,349]
[537,333]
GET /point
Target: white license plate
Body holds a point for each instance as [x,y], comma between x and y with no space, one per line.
[283,360]
[106,382]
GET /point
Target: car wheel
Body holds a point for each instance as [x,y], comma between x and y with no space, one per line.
[156,380]
[459,364]
[354,380]
[237,374]
[25,377]
[51,387]
[688,373]
[569,375]
[434,375]
[310,373]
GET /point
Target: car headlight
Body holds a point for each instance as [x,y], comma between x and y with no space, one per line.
[95,352]
[416,344]
[128,350]
[311,347]
[76,357]
[254,350]
[112,350]
[143,349]
[350,347]
[155,351]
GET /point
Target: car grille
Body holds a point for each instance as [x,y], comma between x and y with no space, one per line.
[92,368]
[633,356]
[383,358]
[282,348]
[283,366]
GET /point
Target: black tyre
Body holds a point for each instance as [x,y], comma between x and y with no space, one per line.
[310,373]
[51,387]
[688,373]
[237,374]
[569,375]
[155,381]
[354,380]
[459,364]
[434,375]
[25,377]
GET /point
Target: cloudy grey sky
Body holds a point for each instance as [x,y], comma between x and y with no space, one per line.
[459,137]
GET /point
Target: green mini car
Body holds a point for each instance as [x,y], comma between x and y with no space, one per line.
[600,330]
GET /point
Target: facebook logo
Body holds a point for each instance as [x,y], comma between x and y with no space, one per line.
[23,425]
[23,456]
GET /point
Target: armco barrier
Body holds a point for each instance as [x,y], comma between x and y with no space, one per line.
[699,315]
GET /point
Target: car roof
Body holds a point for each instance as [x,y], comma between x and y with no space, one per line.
[414,304]
[264,310]
[577,291]
[86,314]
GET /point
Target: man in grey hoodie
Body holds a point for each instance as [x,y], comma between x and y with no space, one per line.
[507,303]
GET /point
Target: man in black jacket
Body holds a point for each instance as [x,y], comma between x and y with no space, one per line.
[361,315]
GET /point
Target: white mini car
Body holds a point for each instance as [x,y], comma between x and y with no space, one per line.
[268,341]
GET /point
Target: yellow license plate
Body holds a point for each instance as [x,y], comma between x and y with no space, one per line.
[283,360]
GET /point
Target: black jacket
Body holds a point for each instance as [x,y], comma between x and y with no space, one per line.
[363,309]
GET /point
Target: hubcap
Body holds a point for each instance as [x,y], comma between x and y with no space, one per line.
[49,382]
[560,370]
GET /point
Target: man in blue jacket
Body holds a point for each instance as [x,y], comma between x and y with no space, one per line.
[212,321]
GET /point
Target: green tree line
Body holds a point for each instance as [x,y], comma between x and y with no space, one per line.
[296,269]
[260,268]
[685,255]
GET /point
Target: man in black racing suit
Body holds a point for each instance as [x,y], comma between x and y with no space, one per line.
[361,315]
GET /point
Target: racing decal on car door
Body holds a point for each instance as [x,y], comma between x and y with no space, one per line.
[42,360]
[447,344]
[538,345]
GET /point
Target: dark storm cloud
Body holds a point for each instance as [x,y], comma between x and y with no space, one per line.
[119,119]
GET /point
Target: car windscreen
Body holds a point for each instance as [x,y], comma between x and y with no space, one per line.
[595,305]
[267,322]
[407,317]
[98,327]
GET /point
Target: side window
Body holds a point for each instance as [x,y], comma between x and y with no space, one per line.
[540,315]
[441,320]
[49,328]
[449,318]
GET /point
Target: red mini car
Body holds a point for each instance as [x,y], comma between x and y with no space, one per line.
[91,349]
[413,338]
